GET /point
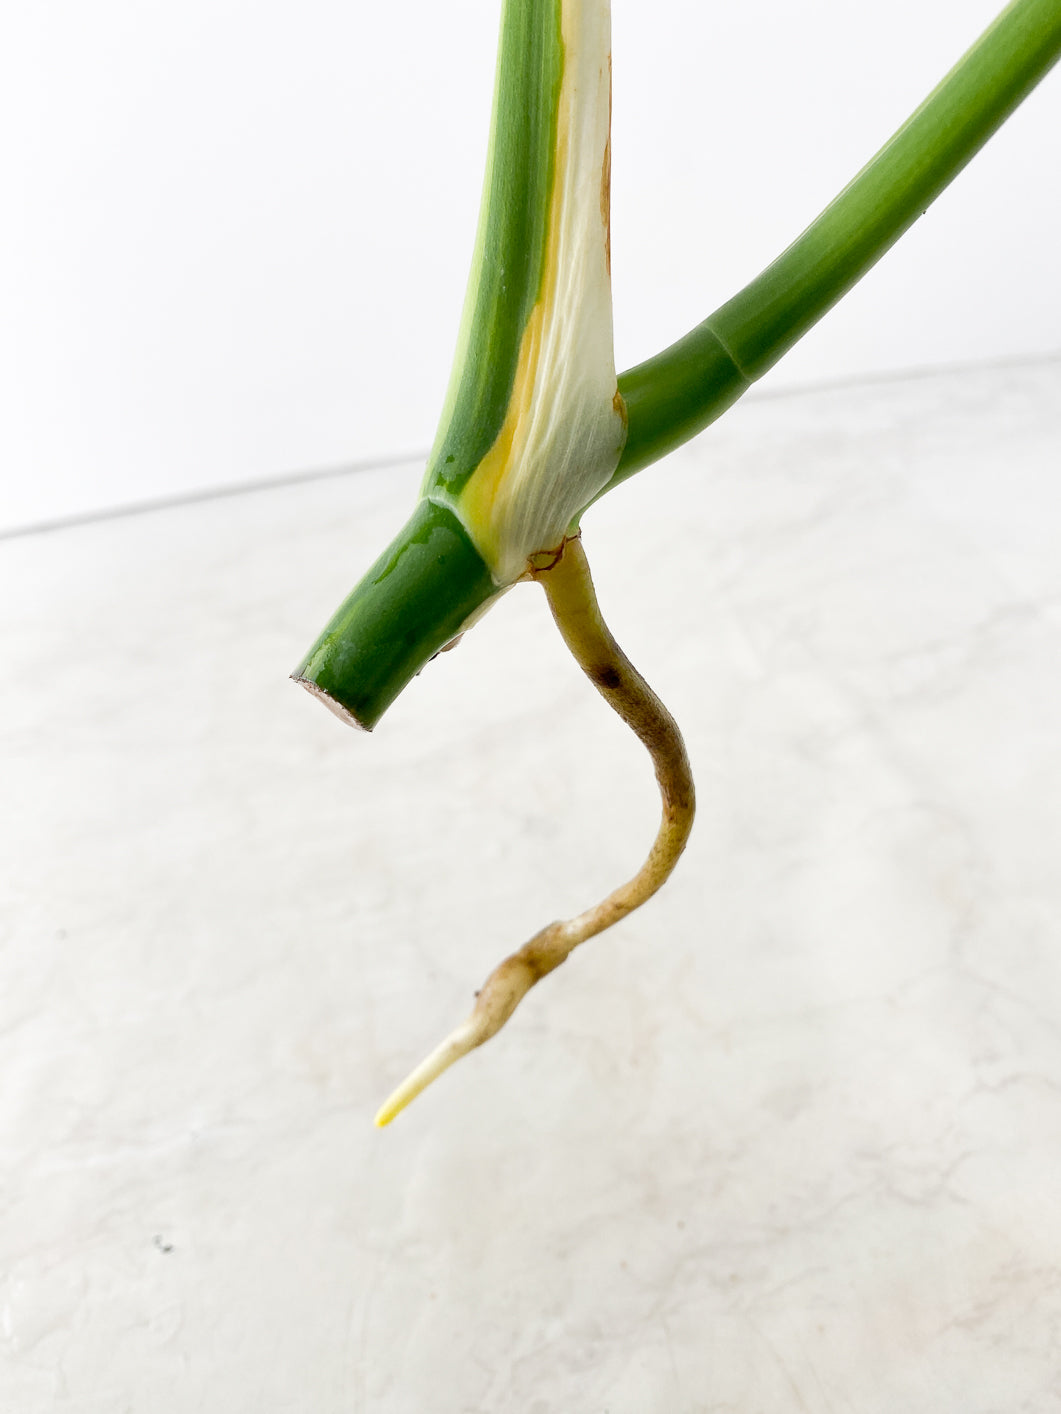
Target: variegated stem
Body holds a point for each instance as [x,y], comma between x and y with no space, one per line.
[565,576]
[443,568]
[533,423]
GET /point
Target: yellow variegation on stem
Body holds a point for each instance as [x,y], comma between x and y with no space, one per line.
[564,425]
[533,425]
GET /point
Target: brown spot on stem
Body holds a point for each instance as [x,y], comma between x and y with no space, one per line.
[544,560]
[606,677]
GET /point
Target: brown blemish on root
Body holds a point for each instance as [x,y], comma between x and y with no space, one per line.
[544,560]
[607,679]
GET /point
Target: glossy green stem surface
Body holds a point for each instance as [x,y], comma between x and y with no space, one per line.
[506,274]
[673,396]
[414,600]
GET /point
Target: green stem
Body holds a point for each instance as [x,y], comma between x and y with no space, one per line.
[415,599]
[673,396]
[431,581]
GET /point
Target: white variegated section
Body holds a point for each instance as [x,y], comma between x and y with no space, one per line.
[566,423]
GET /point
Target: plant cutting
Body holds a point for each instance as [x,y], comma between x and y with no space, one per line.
[536,426]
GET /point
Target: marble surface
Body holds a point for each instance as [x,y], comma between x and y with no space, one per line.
[787,1140]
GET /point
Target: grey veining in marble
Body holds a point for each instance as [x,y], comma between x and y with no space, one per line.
[786,1142]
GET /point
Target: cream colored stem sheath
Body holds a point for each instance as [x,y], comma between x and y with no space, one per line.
[565,576]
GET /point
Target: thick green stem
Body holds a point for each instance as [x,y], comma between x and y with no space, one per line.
[673,396]
[414,600]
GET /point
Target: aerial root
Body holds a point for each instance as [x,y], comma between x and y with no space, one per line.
[564,575]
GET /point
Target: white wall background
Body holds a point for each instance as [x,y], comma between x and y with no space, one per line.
[236,236]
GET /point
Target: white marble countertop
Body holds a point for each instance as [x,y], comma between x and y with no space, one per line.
[787,1140]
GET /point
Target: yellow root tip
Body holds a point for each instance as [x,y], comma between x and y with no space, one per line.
[458,1043]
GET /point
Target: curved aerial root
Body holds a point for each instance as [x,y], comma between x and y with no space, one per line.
[564,575]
